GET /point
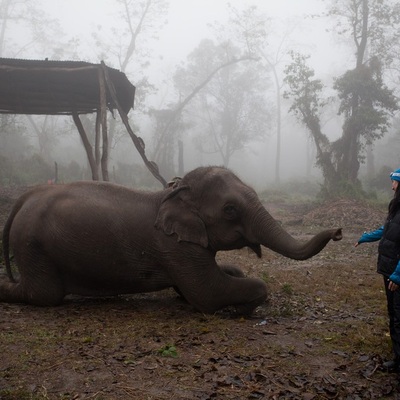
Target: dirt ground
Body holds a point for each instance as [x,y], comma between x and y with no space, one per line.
[321,335]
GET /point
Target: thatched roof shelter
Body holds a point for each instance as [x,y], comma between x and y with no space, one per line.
[71,88]
[58,87]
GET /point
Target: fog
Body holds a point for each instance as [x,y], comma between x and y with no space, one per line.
[187,23]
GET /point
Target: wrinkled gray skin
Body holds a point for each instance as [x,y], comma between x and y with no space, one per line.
[100,239]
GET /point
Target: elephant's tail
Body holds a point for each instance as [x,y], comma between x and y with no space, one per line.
[6,234]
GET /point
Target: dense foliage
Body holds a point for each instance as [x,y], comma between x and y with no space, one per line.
[366,103]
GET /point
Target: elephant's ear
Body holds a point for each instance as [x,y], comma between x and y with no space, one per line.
[176,216]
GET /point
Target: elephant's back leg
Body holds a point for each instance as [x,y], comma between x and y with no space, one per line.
[31,293]
[39,284]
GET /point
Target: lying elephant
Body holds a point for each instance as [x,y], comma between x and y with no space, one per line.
[100,239]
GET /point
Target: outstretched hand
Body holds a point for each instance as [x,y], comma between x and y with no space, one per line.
[392,286]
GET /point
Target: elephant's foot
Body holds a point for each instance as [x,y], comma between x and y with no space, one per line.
[244,310]
[10,292]
[35,295]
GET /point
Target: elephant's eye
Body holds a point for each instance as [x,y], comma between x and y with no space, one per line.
[230,211]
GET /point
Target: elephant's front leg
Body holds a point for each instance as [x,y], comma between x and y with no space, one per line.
[229,269]
[209,288]
[232,270]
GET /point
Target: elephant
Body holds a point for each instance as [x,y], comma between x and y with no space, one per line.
[93,238]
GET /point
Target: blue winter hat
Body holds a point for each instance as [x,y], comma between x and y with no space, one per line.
[395,175]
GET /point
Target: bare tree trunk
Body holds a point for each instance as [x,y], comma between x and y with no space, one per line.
[370,162]
[97,139]
[278,125]
[180,158]
[55,172]
[351,132]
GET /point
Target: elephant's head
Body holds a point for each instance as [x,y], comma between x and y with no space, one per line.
[213,208]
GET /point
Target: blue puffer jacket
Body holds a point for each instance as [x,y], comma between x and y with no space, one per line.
[389,247]
[372,236]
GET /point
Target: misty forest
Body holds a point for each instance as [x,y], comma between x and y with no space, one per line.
[163,288]
[306,99]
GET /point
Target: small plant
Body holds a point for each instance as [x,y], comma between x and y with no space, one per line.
[286,310]
[168,351]
[287,289]
[265,277]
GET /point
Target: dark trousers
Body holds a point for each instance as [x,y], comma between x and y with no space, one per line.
[393,305]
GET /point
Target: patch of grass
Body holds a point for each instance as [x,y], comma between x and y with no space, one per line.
[287,289]
[87,339]
[356,336]
[301,191]
[168,351]
[286,310]
[265,277]
[20,394]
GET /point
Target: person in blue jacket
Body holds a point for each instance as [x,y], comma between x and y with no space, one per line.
[389,266]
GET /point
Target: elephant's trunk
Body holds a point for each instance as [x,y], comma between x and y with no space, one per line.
[270,234]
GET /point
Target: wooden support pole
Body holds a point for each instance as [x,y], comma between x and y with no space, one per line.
[103,117]
[87,145]
[97,139]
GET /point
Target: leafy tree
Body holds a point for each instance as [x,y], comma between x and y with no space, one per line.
[13,143]
[167,130]
[127,45]
[366,104]
[42,36]
[253,30]
[170,122]
[231,110]
[47,130]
